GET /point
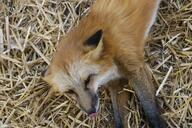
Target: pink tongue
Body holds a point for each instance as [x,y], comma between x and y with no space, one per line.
[93,115]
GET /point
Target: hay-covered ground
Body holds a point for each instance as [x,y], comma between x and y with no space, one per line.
[29,32]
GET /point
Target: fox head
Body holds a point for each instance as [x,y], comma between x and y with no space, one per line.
[80,66]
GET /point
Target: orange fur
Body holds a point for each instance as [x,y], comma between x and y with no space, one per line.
[125,24]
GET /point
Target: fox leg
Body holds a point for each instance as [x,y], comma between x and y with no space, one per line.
[143,87]
[141,81]
[119,101]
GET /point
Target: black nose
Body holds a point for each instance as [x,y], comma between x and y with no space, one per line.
[92,111]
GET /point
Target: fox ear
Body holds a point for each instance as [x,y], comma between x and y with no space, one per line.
[46,74]
[47,77]
[95,39]
[94,44]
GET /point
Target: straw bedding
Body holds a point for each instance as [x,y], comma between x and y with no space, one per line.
[29,32]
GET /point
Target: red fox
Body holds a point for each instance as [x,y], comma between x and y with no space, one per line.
[108,44]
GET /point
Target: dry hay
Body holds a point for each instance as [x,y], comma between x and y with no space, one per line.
[29,31]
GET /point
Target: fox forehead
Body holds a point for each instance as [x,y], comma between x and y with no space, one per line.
[73,75]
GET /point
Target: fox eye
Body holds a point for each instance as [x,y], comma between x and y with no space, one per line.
[70,92]
[87,81]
